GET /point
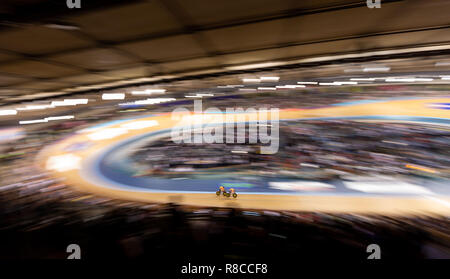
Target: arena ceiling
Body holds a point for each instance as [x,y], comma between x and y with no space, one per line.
[48,49]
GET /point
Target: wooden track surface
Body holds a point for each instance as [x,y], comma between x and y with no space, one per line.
[352,204]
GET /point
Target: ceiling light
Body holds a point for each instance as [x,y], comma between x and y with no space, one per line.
[424,79]
[285,86]
[69,102]
[377,69]
[35,107]
[267,88]
[440,64]
[8,112]
[255,66]
[400,80]
[408,79]
[32,121]
[205,94]
[328,83]
[59,117]
[230,86]
[270,78]
[306,82]
[148,91]
[289,86]
[113,96]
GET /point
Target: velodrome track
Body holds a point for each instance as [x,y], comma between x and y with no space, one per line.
[82,160]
